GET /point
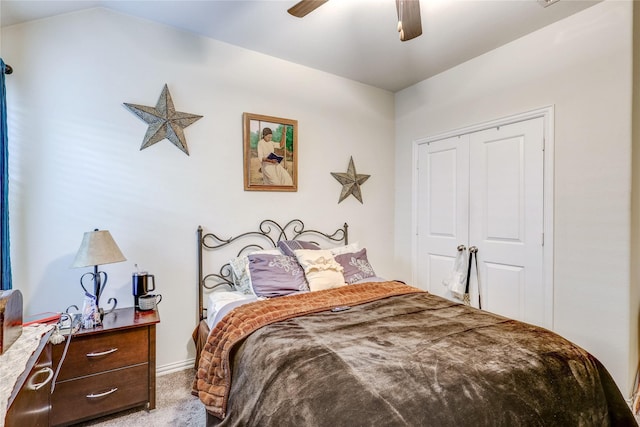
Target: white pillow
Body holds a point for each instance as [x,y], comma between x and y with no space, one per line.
[320,268]
[339,250]
[240,267]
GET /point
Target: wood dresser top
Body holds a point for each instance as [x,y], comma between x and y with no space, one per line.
[123,318]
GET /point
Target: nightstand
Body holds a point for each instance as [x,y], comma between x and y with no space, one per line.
[108,368]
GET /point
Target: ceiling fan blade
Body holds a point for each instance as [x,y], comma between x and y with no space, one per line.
[304,7]
[409,21]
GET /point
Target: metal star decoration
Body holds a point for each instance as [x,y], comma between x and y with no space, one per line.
[351,182]
[164,121]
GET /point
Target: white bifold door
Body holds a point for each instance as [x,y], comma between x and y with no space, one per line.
[485,189]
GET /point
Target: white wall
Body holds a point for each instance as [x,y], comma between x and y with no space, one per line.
[75,162]
[583,66]
[634,296]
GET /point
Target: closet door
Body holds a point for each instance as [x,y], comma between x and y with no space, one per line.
[443,209]
[485,189]
[506,218]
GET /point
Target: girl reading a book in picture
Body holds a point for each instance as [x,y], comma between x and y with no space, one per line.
[272,171]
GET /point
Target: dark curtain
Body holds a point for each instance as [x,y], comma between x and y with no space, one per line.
[5,259]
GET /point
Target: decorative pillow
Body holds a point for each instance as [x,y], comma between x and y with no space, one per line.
[372,279]
[320,268]
[288,246]
[240,268]
[339,250]
[275,275]
[356,266]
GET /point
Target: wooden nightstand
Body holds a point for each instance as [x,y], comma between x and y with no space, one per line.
[108,368]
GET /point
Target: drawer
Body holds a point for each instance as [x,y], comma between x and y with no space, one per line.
[97,395]
[91,354]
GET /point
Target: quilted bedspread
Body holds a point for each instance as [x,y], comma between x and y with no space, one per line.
[397,357]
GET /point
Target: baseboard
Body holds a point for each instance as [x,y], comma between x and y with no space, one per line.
[175,367]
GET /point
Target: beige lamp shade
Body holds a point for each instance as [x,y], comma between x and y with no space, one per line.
[97,248]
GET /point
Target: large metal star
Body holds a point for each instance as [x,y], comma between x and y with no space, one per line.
[164,121]
[351,182]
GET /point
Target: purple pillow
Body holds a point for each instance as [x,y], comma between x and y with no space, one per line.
[356,266]
[275,275]
[288,246]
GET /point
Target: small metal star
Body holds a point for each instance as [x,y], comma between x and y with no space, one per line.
[164,121]
[351,182]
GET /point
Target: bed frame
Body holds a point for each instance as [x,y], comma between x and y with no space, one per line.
[267,236]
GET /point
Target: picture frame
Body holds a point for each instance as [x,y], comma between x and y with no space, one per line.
[270,164]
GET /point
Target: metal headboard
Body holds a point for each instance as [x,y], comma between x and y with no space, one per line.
[267,236]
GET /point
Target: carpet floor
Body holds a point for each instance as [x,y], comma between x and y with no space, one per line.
[175,406]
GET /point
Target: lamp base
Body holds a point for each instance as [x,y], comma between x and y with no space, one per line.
[114,304]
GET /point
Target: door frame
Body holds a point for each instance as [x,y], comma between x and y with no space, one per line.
[547,113]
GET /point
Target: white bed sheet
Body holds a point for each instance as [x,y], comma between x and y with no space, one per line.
[219,303]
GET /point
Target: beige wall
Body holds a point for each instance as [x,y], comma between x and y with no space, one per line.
[582,66]
[634,295]
[76,164]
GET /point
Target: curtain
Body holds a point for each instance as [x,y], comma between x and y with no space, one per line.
[5,258]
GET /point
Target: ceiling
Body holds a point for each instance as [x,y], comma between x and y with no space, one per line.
[356,39]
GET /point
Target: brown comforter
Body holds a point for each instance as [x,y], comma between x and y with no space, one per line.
[397,357]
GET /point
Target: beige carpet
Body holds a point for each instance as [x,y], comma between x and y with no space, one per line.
[175,406]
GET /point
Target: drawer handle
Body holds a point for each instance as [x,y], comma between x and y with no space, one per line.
[102,353]
[106,393]
[38,386]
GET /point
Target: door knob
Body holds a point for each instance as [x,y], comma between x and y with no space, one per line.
[461,248]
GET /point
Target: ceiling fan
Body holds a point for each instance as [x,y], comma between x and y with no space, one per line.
[409,22]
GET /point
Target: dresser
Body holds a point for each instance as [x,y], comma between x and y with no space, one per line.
[29,403]
[107,369]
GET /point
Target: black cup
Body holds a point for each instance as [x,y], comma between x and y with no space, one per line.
[143,283]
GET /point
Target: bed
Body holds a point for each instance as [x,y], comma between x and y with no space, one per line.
[363,350]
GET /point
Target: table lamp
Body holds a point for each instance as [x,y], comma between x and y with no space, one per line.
[97,248]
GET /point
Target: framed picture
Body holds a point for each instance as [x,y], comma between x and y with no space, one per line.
[270,153]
